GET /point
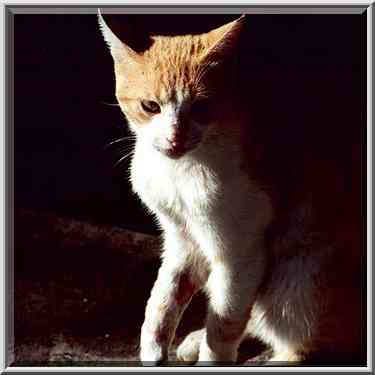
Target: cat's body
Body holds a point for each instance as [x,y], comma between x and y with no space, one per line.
[264,264]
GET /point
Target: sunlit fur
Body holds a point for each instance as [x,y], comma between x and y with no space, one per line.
[214,211]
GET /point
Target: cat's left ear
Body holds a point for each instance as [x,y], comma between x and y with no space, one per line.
[224,40]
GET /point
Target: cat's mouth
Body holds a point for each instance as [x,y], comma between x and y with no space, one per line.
[175,152]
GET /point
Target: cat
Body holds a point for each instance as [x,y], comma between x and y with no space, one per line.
[274,242]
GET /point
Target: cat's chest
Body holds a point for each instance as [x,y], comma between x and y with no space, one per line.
[176,191]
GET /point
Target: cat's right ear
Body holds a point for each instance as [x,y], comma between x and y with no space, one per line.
[119,50]
[224,40]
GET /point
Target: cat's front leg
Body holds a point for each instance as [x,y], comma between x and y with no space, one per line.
[232,287]
[176,283]
[170,295]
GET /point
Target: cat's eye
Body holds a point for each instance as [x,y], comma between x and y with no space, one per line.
[150,106]
[201,110]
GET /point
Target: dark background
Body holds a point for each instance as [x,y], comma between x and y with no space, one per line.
[297,67]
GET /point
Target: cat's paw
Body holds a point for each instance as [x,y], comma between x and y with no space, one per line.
[152,355]
[285,357]
[154,351]
[218,353]
[188,350]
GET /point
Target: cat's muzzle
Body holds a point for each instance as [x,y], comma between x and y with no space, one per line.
[172,152]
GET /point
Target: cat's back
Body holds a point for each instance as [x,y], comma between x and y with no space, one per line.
[314,289]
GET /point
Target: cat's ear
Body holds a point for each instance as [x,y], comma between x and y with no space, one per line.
[224,40]
[119,50]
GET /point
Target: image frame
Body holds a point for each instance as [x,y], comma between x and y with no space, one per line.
[8,10]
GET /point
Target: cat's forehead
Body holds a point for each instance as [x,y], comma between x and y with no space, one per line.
[172,65]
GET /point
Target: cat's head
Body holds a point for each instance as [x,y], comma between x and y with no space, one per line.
[174,93]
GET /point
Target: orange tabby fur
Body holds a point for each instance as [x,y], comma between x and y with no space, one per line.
[309,222]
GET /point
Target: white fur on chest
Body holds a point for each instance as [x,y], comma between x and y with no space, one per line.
[177,189]
[212,201]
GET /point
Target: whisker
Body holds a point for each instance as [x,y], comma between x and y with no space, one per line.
[123,151]
[110,104]
[116,141]
[123,158]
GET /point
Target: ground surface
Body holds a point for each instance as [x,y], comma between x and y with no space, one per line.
[81,290]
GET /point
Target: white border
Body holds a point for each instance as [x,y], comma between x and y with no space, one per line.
[3,347]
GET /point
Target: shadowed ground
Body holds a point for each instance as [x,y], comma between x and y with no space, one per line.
[81,291]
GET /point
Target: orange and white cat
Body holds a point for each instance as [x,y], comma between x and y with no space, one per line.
[259,251]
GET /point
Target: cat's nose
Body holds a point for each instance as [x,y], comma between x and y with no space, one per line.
[176,138]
